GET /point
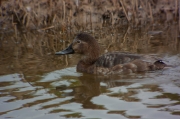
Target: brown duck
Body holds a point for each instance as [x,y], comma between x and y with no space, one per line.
[110,63]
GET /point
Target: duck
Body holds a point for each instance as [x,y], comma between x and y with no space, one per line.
[93,62]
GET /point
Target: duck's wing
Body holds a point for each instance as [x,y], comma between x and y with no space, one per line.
[151,58]
[115,58]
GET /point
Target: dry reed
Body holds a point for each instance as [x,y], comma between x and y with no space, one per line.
[66,14]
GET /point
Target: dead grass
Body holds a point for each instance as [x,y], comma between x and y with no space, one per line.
[67,14]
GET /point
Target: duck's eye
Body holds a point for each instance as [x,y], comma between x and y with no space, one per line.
[78,41]
[160,61]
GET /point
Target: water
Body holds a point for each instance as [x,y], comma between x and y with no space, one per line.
[36,84]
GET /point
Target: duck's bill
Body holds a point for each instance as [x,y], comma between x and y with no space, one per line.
[68,50]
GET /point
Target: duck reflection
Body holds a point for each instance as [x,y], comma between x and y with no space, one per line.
[91,86]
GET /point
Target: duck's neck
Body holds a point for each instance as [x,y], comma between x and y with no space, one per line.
[92,56]
[89,60]
[87,65]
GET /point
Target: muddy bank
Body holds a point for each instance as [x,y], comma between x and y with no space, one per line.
[84,14]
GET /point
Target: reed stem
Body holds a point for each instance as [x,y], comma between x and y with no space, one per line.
[122,3]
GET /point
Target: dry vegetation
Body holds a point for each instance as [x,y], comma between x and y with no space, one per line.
[65,14]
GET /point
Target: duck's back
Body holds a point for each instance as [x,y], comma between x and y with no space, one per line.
[115,58]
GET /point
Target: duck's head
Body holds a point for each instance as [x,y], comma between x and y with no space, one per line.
[83,44]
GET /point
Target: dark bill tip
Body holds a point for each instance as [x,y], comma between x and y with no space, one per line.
[68,50]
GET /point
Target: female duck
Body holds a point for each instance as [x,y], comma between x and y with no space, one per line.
[110,63]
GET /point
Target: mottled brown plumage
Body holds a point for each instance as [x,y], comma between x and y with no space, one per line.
[110,63]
